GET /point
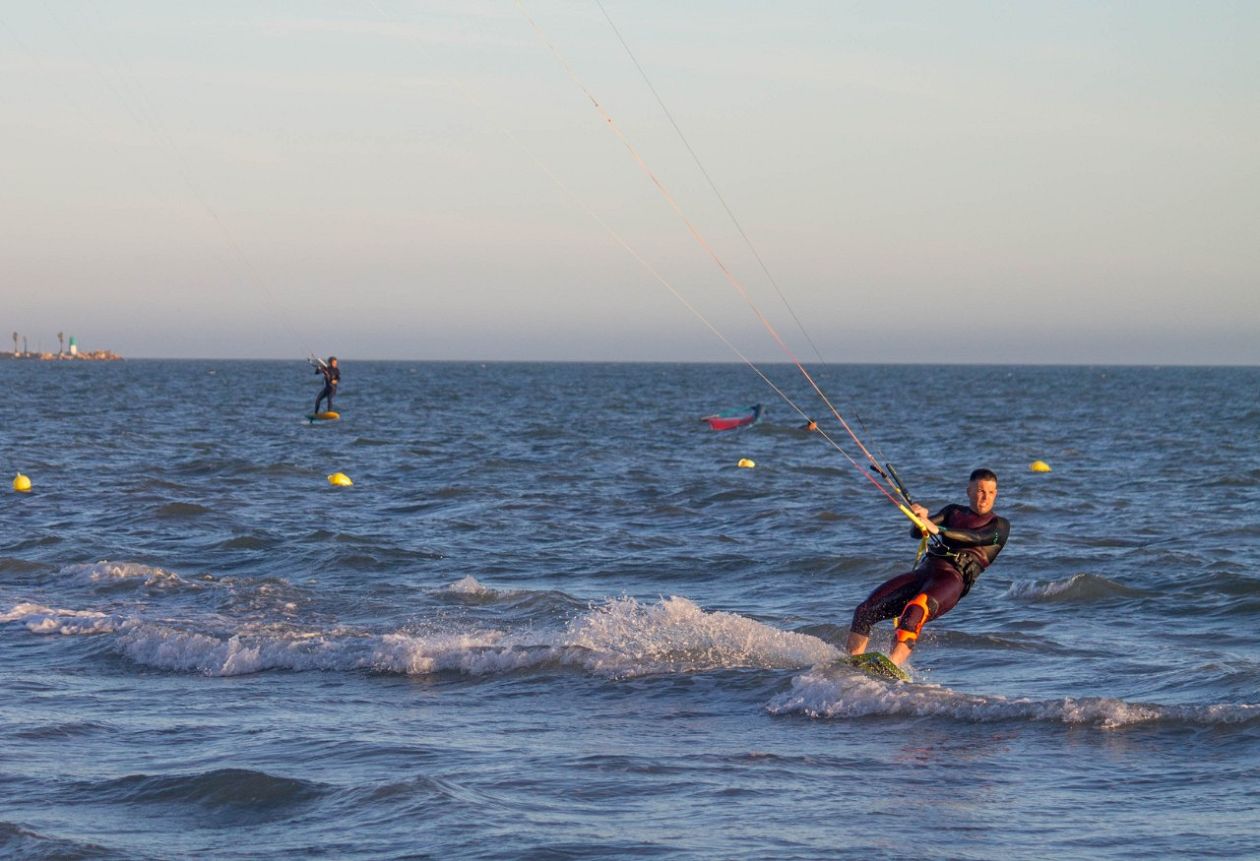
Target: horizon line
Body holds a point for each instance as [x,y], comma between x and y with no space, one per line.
[734,362]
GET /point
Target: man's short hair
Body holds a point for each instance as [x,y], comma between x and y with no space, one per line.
[983,474]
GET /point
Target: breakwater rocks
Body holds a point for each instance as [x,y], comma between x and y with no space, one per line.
[89,356]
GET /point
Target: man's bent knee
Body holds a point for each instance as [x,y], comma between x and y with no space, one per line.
[916,614]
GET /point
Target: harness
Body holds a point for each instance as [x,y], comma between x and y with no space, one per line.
[966,562]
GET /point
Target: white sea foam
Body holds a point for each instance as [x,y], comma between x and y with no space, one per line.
[172,648]
[619,638]
[115,572]
[22,611]
[824,694]
[46,620]
[468,586]
[675,635]
[482,653]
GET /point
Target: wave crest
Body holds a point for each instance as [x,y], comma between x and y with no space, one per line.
[19,842]
[819,694]
[676,635]
[254,791]
[469,586]
[109,573]
[46,620]
[1077,588]
[621,638]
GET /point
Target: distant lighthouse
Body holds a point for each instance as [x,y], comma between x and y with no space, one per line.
[74,346]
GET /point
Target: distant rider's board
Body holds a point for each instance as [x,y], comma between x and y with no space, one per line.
[875,664]
[736,418]
[329,416]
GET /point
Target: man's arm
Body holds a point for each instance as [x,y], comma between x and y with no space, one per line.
[991,535]
[932,519]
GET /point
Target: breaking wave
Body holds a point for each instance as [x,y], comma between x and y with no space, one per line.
[847,694]
[110,573]
[620,638]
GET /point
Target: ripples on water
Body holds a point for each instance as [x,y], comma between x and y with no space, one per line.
[552,619]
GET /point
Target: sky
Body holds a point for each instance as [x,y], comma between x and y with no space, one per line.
[1040,182]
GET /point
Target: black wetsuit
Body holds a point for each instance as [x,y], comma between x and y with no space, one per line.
[947,573]
[332,376]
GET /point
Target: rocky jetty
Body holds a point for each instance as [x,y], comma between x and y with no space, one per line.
[85,356]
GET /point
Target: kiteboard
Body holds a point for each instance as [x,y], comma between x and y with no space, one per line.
[328,416]
[736,418]
[875,664]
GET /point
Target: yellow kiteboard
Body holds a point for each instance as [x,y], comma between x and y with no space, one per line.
[328,416]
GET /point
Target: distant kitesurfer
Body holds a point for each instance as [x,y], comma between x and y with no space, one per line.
[970,538]
[332,376]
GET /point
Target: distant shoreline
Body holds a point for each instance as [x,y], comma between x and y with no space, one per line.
[93,356]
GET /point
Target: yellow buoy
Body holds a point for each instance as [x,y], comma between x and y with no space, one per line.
[745,463]
[340,479]
[1039,466]
[22,484]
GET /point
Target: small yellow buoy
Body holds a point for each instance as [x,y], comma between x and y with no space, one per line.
[22,484]
[745,463]
[1039,466]
[340,479]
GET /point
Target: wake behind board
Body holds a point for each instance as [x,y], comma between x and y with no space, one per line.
[875,664]
[328,416]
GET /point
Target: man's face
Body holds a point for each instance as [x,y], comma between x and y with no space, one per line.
[982,493]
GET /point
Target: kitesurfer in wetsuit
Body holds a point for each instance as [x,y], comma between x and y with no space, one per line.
[969,538]
[332,376]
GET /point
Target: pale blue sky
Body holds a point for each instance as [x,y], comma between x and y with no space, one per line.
[928,182]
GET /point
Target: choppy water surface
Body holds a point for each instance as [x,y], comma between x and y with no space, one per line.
[552,619]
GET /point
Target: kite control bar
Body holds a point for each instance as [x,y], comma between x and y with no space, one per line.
[889,473]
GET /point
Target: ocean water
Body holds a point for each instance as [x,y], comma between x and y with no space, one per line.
[553,620]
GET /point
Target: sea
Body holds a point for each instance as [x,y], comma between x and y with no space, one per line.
[553,618]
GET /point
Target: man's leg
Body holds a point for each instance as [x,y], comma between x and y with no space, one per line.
[884,603]
[937,595]
[855,643]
